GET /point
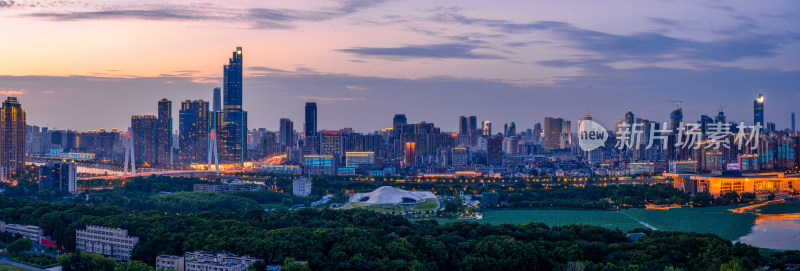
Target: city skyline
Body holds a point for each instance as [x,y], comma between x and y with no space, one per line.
[495,61]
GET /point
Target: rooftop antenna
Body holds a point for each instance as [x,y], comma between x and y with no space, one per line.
[677,103]
[722,108]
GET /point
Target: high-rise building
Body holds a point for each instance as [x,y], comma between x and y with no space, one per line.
[537,133]
[463,125]
[758,110]
[410,153]
[552,133]
[286,133]
[194,131]
[12,136]
[398,120]
[675,120]
[144,138]
[331,144]
[565,140]
[217,99]
[793,129]
[311,120]
[233,132]
[473,124]
[60,176]
[164,132]
[487,129]
[494,151]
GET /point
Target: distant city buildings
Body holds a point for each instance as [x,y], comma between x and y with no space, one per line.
[111,242]
[758,110]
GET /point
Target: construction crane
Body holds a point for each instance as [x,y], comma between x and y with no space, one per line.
[677,103]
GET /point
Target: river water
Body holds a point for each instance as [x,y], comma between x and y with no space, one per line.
[775,231]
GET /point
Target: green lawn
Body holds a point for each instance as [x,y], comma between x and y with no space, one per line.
[8,267]
[555,217]
[716,220]
[783,208]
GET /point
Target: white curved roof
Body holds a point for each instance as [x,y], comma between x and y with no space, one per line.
[391,195]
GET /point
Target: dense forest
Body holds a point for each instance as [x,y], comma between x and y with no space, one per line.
[364,240]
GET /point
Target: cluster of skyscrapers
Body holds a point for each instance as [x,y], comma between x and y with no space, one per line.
[220,127]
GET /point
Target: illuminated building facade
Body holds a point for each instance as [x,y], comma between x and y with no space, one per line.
[331,144]
[194,131]
[410,153]
[164,132]
[233,127]
[143,129]
[318,164]
[733,181]
[359,159]
[758,110]
[552,132]
[12,136]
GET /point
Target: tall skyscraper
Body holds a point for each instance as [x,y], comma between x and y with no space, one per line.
[463,125]
[12,136]
[217,99]
[311,120]
[758,110]
[793,130]
[410,153]
[473,124]
[537,133]
[164,132]
[487,129]
[494,151]
[194,131]
[675,120]
[233,132]
[398,122]
[552,132]
[286,133]
[144,138]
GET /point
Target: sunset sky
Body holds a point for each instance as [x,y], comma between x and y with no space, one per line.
[85,65]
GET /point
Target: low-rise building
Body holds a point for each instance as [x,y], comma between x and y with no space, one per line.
[301,187]
[112,242]
[219,261]
[226,187]
[31,232]
[169,262]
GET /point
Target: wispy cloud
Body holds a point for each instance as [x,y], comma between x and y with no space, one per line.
[6,4]
[450,50]
[265,18]
[13,91]
[642,46]
[332,99]
[355,87]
